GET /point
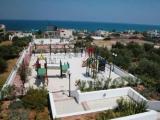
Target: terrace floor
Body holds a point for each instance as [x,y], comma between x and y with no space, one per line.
[56,83]
[67,105]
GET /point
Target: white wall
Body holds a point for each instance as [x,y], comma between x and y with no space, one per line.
[118,71]
[135,95]
[101,94]
[154,105]
[65,33]
[86,96]
[52,105]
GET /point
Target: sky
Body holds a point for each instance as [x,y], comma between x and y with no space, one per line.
[115,11]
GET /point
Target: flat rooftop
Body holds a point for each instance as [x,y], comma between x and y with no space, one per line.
[55,82]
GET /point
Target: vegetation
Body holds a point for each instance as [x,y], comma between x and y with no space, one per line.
[33,105]
[125,108]
[104,84]
[141,60]
[16,105]
[11,51]
[8,92]
[19,114]
[35,99]
[24,71]
[86,86]
[3,76]
[3,65]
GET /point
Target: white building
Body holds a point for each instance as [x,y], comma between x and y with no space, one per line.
[102,33]
[97,37]
[47,41]
[66,33]
[154,33]
[20,35]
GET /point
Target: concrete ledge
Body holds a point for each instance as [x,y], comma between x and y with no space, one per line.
[53,107]
[154,105]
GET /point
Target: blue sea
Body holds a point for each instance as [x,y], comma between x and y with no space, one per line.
[29,25]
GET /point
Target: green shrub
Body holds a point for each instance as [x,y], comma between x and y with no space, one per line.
[35,99]
[19,114]
[8,92]
[1,105]
[16,105]
[129,107]
[125,108]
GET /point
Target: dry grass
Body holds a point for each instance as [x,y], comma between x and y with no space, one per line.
[109,43]
[5,43]
[43,115]
[90,116]
[104,43]
[5,75]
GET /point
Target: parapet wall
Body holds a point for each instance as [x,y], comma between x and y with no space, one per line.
[110,93]
[154,105]
[119,71]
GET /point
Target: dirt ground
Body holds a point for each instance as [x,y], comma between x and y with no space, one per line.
[5,75]
[91,116]
[109,43]
[5,43]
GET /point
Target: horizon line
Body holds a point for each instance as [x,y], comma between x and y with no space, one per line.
[81,21]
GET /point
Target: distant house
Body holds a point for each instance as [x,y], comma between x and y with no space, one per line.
[66,33]
[51,32]
[154,33]
[19,34]
[102,33]
[97,37]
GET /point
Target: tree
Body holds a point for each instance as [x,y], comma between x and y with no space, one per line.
[118,45]
[136,49]
[23,72]
[148,68]
[3,65]
[123,59]
[89,38]
[148,47]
